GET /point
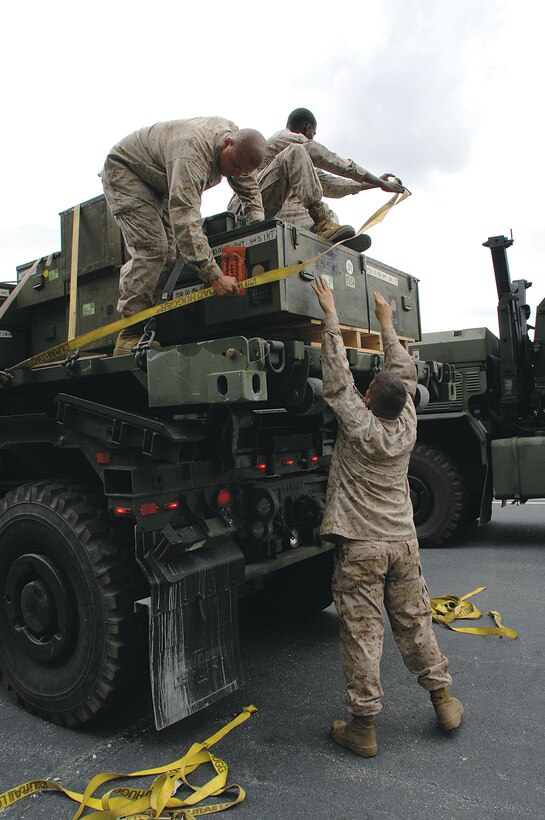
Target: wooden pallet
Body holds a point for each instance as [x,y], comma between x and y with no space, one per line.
[310,332]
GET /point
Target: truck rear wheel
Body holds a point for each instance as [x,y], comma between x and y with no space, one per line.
[63,618]
[438,495]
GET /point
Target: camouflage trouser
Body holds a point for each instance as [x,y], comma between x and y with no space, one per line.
[290,171]
[368,574]
[143,218]
[292,211]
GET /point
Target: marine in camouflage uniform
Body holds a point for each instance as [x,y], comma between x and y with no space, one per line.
[337,176]
[345,176]
[291,176]
[153,181]
[369,512]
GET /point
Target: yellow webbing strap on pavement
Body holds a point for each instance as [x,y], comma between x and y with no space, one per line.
[158,800]
[448,608]
[190,296]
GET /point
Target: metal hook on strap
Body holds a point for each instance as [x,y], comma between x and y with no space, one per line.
[70,362]
[145,343]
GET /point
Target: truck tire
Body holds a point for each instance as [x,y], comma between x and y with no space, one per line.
[64,622]
[438,495]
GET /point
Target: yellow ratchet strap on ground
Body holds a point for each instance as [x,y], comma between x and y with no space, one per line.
[448,608]
[191,296]
[158,800]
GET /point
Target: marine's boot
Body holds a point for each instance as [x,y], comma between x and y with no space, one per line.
[128,338]
[449,710]
[360,243]
[358,735]
[325,227]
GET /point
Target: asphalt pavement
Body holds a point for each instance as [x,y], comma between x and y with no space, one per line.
[492,767]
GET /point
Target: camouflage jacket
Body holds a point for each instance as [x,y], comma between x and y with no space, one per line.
[344,179]
[321,157]
[180,160]
[368,492]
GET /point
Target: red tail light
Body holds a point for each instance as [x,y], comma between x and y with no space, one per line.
[148,509]
[123,510]
[223,499]
[171,505]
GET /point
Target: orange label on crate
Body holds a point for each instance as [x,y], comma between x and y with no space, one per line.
[233,262]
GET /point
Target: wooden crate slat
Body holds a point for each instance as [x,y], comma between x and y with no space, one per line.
[310,332]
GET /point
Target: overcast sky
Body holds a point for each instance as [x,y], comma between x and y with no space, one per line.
[447,94]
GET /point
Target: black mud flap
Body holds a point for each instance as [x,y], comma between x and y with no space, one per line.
[193,624]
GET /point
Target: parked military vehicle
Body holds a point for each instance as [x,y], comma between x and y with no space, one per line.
[160,488]
[482,434]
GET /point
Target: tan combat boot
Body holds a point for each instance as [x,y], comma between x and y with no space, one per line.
[358,735]
[449,710]
[360,243]
[128,338]
[325,227]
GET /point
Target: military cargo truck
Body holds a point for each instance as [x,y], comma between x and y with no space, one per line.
[482,434]
[165,486]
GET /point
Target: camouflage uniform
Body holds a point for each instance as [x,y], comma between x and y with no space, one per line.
[345,178]
[368,509]
[153,182]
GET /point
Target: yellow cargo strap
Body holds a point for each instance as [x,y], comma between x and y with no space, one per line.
[19,287]
[190,296]
[158,800]
[448,608]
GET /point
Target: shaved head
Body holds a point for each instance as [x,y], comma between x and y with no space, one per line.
[243,151]
[251,144]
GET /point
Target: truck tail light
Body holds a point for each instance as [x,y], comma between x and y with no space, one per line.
[223,499]
[149,509]
[261,466]
[171,505]
[123,511]
[289,462]
[314,459]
